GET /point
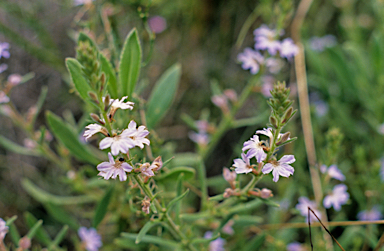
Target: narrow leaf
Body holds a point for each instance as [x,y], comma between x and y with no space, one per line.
[101,209]
[10,145]
[41,234]
[110,73]
[81,84]
[175,200]
[145,229]
[171,245]
[84,37]
[162,95]
[59,237]
[175,172]
[44,197]
[31,233]
[59,214]
[205,240]
[70,140]
[130,63]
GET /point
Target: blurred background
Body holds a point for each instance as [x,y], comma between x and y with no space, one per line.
[344,50]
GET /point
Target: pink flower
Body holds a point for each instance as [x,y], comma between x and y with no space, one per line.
[111,169]
[280,168]
[157,24]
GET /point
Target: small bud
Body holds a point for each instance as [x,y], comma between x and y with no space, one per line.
[265,193]
[102,81]
[96,118]
[106,102]
[287,114]
[157,164]
[273,121]
[146,203]
[283,138]
[93,96]
[25,243]
[228,193]
[231,95]
[228,175]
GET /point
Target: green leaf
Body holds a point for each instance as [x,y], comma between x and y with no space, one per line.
[110,73]
[242,207]
[8,144]
[175,200]
[179,190]
[162,95]
[81,84]
[41,234]
[246,220]
[145,229]
[256,242]
[130,63]
[174,173]
[44,197]
[59,237]
[59,214]
[101,209]
[218,197]
[84,37]
[70,140]
[31,233]
[205,240]
[171,245]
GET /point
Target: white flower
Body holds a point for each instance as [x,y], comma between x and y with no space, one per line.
[255,149]
[242,165]
[3,97]
[251,60]
[333,172]
[265,39]
[90,238]
[338,197]
[147,170]
[118,143]
[280,168]
[3,229]
[137,135]
[268,132]
[111,169]
[91,130]
[116,104]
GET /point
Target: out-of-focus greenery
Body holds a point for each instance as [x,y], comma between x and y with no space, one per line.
[346,89]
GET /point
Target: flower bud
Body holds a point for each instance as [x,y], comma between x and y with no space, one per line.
[273,121]
[25,243]
[93,96]
[228,193]
[146,203]
[265,193]
[283,138]
[157,164]
[96,118]
[228,175]
[288,114]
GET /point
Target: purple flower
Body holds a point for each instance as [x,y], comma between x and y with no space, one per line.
[3,229]
[337,197]
[382,169]
[288,49]
[280,168]
[3,67]
[90,238]
[320,43]
[303,205]
[4,47]
[199,138]
[295,246]
[111,169]
[267,86]
[215,245]
[227,228]
[370,215]
[82,2]
[265,39]
[255,148]
[333,172]
[274,65]
[3,97]
[157,24]
[251,60]
[242,165]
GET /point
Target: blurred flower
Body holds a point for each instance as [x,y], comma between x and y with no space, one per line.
[321,107]
[255,148]
[251,60]
[221,101]
[242,165]
[157,164]
[4,47]
[90,238]
[92,129]
[3,67]
[199,138]
[231,94]
[267,86]
[116,103]
[29,143]
[14,79]
[3,98]
[382,169]
[111,169]
[25,243]
[333,172]
[3,229]
[228,192]
[288,49]
[337,197]
[265,39]
[81,2]
[229,176]
[215,245]
[227,228]
[274,65]
[137,135]
[202,125]
[147,170]
[380,129]
[280,168]
[370,215]
[303,205]
[295,246]
[157,24]
[320,43]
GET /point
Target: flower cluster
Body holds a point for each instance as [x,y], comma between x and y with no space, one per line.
[90,238]
[267,39]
